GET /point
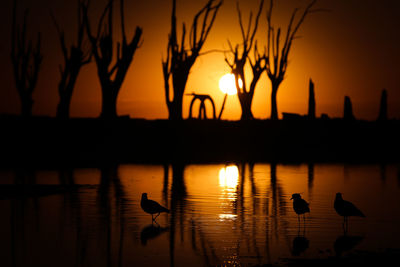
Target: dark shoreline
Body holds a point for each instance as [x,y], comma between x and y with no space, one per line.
[90,142]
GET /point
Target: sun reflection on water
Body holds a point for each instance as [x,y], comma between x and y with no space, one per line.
[228,177]
[228,182]
[224,217]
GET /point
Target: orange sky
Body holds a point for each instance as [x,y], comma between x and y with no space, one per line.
[351,50]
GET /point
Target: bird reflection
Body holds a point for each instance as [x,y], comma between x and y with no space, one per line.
[151,231]
[300,244]
[345,243]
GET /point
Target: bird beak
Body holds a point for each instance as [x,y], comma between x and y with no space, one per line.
[291,198]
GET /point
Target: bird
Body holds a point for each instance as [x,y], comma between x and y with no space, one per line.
[346,208]
[300,206]
[151,207]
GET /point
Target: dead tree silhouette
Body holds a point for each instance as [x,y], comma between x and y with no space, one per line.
[241,57]
[76,57]
[277,62]
[111,76]
[179,61]
[26,60]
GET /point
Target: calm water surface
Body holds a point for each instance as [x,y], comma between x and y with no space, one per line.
[220,215]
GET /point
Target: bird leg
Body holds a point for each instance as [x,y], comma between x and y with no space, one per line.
[156,216]
[345,224]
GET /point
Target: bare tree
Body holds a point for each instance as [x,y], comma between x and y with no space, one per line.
[241,57]
[111,71]
[179,61]
[277,62]
[74,58]
[26,60]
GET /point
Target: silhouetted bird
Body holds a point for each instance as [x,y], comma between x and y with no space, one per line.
[345,208]
[152,207]
[300,206]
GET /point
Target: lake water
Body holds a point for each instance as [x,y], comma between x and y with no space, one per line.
[220,215]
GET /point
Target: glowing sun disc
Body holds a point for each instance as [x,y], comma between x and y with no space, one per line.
[227,84]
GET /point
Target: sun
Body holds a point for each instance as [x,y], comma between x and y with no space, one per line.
[227,84]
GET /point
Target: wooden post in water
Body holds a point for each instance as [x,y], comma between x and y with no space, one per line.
[383,107]
[222,107]
[348,109]
[311,101]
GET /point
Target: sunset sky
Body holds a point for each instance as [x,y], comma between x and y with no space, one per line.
[354,50]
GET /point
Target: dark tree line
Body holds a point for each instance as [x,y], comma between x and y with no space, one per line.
[112,62]
[114,57]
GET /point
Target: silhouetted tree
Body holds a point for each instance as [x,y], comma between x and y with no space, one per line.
[26,60]
[241,57]
[348,109]
[74,59]
[383,107]
[311,101]
[178,205]
[111,76]
[277,62]
[179,61]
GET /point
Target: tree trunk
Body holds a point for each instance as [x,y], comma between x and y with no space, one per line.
[175,112]
[175,108]
[26,106]
[63,106]
[245,104]
[109,104]
[274,107]
[65,90]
